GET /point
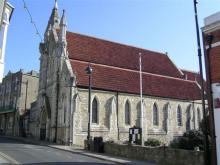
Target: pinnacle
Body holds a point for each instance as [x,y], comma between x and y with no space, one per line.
[56,5]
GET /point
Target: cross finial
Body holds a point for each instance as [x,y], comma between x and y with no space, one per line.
[56,5]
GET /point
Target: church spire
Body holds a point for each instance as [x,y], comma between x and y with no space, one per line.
[54,19]
[63,20]
[63,28]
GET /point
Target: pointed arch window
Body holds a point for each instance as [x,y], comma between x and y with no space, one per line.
[155,115]
[165,117]
[198,117]
[127,113]
[179,116]
[64,115]
[188,118]
[94,111]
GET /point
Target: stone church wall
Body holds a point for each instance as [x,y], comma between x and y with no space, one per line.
[111,127]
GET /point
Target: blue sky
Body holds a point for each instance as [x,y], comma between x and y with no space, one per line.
[158,25]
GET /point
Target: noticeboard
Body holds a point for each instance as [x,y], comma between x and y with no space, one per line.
[135,134]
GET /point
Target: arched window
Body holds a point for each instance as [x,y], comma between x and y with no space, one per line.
[155,115]
[64,116]
[188,118]
[127,113]
[94,111]
[179,116]
[165,117]
[198,117]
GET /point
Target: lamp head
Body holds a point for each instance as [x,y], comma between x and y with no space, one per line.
[89,69]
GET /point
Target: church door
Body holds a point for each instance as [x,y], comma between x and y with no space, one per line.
[43,125]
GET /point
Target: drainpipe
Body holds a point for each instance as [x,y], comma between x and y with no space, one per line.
[25,107]
[71,114]
[57,104]
[16,104]
[117,108]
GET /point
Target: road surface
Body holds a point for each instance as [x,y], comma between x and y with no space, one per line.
[18,152]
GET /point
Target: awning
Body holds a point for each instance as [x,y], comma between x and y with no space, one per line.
[8,109]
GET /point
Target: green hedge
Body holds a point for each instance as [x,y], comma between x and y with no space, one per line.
[152,142]
[189,141]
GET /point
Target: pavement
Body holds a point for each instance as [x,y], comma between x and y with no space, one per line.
[17,152]
[3,160]
[82,152]
[7,160]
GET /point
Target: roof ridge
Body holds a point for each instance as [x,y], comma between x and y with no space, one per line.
[179,70]
[189,71]
[118,43]
[125,69]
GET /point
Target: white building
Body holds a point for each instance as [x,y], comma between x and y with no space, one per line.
[6,16]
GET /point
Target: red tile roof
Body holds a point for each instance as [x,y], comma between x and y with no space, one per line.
[124,80]
[116,68]
[194,76]
[100,51]
[190,75]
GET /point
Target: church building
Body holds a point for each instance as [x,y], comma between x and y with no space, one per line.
[171,96]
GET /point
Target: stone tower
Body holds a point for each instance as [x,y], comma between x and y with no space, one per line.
[48,77]
[52,61]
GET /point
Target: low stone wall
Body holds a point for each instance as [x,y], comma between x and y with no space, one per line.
[160,155]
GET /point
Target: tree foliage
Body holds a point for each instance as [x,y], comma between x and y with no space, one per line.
[189,140]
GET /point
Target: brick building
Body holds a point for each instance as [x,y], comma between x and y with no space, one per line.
[211,36]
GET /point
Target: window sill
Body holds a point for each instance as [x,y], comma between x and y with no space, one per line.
[156,131]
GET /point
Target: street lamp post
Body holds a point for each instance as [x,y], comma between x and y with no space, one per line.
[205,131]
[89,72]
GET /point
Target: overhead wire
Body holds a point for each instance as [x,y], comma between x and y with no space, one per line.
[32,20]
